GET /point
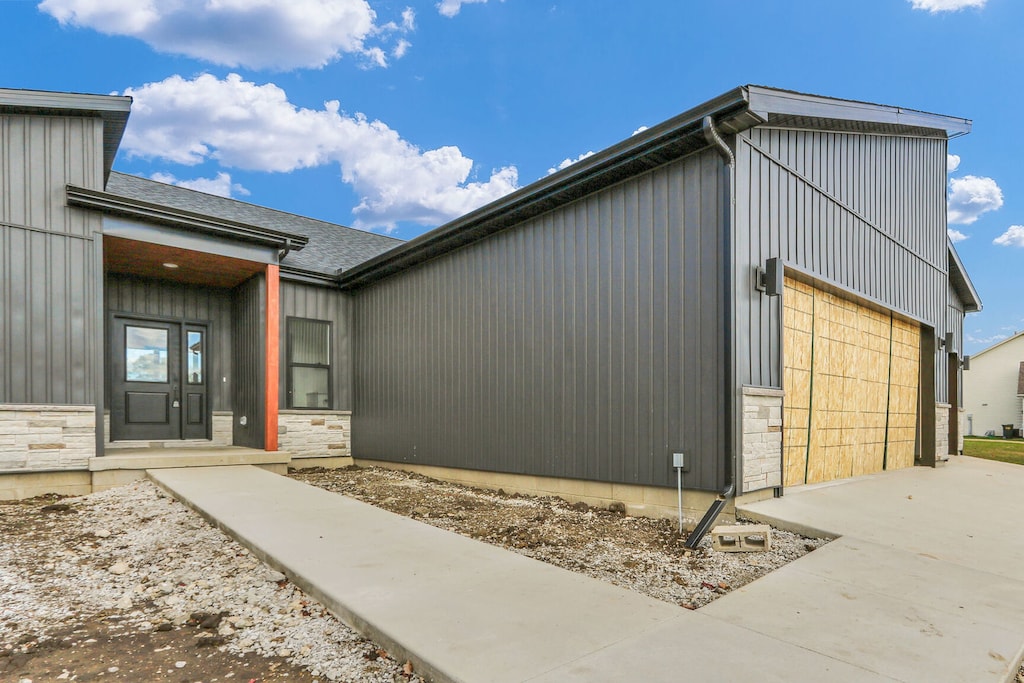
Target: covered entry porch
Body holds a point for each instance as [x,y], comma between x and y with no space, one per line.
[190,330]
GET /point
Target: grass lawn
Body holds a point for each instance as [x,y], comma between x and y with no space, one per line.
[1003,450]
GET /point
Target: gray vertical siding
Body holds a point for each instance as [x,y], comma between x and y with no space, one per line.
[320,303]
[49,292]
[865,212]
[248,315]
[586,343]
[955,324]
[174,301]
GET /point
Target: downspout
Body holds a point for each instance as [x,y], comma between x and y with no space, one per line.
[715,140]
[704,525]
[284,252]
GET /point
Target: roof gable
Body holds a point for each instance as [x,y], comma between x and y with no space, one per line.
[112,109]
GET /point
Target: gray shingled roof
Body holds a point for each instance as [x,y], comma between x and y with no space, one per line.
[330,246]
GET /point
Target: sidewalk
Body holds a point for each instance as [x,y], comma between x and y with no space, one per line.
[463,610]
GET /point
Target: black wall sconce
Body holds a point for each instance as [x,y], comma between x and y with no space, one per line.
[769,278]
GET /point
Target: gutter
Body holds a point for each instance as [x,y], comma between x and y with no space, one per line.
[672,139]
[195,222]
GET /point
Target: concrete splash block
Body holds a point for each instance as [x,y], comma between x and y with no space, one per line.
[742,538]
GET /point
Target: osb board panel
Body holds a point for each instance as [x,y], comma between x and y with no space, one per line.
[797,314]
[903,402]
[842,398]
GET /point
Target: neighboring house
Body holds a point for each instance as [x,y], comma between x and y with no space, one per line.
[994,387]
[763,283]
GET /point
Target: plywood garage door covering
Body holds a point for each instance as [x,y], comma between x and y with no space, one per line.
[850,380]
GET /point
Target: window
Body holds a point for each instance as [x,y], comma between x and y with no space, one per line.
[195,357]
[309,363]
[145,354]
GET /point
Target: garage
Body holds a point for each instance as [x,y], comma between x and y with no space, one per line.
[851,387]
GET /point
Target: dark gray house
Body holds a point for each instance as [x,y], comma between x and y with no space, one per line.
[763,283]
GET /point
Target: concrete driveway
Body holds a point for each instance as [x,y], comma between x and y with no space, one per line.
[925,583]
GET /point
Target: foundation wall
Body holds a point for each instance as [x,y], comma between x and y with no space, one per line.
[639,501]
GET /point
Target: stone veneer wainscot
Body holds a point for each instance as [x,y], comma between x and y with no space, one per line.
[762,438]
[315,433]
[46,437]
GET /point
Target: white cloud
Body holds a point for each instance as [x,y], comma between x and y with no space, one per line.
[971,196]
[253,33]
[450,8]
[401,47]
[984,341]
[244,125]
[956,236]
[220,185]
[935,6]
[639,130]
[566,163]
[952,162]
[1013,237]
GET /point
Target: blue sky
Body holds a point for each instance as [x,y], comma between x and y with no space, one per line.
[397,116]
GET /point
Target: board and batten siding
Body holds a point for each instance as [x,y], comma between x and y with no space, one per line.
[49,294]
[865,213]
[587,343]
[142,297]
[248,318]
[320,303]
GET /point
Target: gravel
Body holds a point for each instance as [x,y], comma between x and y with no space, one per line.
[135,552]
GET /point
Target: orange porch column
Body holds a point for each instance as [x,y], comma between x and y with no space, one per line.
[273,343]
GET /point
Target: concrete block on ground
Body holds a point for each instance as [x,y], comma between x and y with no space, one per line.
[742,538]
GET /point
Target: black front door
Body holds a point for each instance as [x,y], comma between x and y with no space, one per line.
[158,380]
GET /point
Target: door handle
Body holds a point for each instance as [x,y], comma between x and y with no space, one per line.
[175,403]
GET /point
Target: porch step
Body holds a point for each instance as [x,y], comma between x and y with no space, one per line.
[176,444]
[160,458]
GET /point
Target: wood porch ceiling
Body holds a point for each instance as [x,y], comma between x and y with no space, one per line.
[145,259]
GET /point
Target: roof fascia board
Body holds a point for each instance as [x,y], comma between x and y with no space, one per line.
[771,101]
[133,208]
[584,176]
[1001,342]
[171,236]
[72,102]
[959,272]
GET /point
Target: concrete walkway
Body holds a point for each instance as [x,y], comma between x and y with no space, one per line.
[461,610]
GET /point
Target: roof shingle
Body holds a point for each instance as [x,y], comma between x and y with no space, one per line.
[330,247]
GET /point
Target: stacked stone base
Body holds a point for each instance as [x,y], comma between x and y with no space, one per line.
[46,437]
[310,435]
[762,438]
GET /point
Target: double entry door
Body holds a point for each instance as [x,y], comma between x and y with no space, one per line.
[158,380]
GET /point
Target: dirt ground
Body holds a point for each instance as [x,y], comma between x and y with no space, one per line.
[98,650]
[638,553]
[59,583]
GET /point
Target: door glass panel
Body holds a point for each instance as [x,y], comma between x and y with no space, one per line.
[145,354]
[309,387]
[195,357]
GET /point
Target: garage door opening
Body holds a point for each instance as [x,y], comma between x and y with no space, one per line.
[851,378]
